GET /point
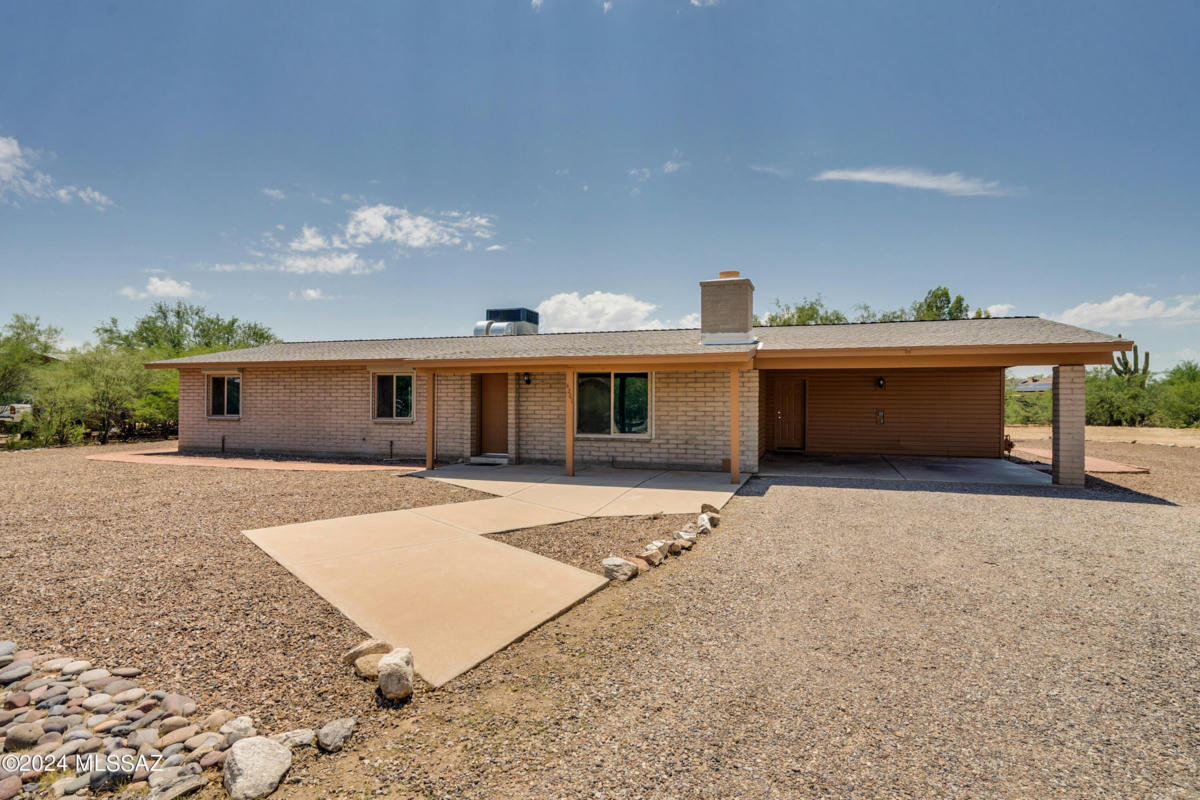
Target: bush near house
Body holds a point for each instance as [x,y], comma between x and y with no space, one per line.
[104,388]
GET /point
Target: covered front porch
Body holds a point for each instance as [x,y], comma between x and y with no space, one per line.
[647,413]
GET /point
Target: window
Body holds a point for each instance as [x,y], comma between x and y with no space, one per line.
[224,396]
[393,396]
[613,403]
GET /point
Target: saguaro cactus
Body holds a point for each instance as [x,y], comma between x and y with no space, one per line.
[1128,368]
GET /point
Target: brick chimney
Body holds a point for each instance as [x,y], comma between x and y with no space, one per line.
[727,309]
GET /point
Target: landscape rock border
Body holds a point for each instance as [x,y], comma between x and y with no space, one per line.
[618,569]
[65,710]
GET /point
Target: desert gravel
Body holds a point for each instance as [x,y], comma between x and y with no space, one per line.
[134,564]
[586,542]
[830,639]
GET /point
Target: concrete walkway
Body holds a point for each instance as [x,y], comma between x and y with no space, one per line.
[996,471]
[425,578]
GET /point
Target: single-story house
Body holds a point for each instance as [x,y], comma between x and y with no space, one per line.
[716,398]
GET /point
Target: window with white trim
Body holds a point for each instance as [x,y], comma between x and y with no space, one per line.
[224,395]
[613,403]
[394,396]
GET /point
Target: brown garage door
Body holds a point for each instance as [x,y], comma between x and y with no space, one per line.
[937,412]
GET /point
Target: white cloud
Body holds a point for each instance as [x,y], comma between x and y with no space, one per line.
[328,264]
[536,5]
[309,240]
[952,183]
[275,194]
[159,287]
[606,6]
[1125,308]
[777,170]
[568,312]
[384,223]
[641,175]
[20,180]
[1000,309]
[495,248]
[704,3]
[690,320]
[309,295]
[672,166]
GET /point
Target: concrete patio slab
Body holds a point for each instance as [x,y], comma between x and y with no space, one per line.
[495,515]
[500,481]
[673,493]
[802,466]
[967,470]
[903,468]
[454,598]
[1090,463]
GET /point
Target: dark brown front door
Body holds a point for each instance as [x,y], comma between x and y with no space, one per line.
[493,413]
[789,413]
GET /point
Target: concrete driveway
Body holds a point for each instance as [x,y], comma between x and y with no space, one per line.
[425,578]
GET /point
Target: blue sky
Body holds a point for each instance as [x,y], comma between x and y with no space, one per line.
[359,170]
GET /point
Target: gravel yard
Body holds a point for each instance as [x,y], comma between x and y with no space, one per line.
[847,639]
[584,543]
[132,564]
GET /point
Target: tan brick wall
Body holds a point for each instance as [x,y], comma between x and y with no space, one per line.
[323,409]
[691,423]
[1067,421]
[327,410]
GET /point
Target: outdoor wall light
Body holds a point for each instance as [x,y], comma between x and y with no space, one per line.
[525,377]
[880,382]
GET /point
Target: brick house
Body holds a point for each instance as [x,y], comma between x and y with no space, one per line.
[716,398]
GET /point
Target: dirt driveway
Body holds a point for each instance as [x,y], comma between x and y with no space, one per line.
[831,639]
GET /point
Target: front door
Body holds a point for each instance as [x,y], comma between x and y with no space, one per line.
[789,413]
[493,413]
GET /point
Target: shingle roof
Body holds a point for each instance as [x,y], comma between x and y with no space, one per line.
[686,341]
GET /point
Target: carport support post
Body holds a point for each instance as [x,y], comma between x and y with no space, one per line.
[735,426]
[431,418]
[1067,418]
[569,402]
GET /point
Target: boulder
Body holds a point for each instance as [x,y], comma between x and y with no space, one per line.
[334,734]
[22,737]
[661,545]
[254,767]
[216,719]
[652,557]
[618,569]
[675,548]
[179,788]
[684,544]
[368,666]
[396,674]
[686,536]
[178,736]
[10,787]
[238,728]
[89,675]
[301,737]
[179,704]
[708,522]
[641,564]
[366,648]
[709,508]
